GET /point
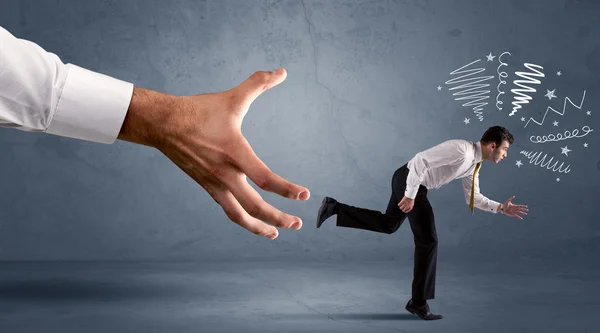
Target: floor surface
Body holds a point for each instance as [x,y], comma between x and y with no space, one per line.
[295,296]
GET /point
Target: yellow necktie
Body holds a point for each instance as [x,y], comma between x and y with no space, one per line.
[472,203]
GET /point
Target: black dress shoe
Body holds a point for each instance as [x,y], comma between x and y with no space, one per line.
[422,311]
[327,209]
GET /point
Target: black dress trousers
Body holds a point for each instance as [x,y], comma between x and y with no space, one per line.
[422,224]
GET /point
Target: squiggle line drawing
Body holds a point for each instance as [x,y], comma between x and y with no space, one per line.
[559,137]
[470,88]
[524,98]
[535,158]
[560,113]
[501,76]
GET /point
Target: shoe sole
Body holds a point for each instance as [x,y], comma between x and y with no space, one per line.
[321,211]
[415,313]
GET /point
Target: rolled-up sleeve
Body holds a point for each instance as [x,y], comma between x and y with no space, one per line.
[38,92]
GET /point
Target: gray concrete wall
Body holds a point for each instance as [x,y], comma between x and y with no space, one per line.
[361,98]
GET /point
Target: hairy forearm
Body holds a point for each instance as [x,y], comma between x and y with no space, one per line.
[147,112]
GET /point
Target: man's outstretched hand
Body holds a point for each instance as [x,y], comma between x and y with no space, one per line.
[202,135]
[513,210]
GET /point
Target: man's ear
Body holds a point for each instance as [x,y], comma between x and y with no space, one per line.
[493,145]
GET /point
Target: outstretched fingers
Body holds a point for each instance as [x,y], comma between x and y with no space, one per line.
[250,200]
[236,213]
[246,160]
[254,204]
[520,209]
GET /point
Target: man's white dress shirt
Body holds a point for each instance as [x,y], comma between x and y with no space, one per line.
[39,93]
[439,165]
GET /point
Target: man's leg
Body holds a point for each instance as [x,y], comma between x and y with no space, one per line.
[367,219]
[422,223]
[373,220]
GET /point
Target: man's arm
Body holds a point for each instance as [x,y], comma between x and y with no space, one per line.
[39,93]
[201,134]
[507,208]
[480,200]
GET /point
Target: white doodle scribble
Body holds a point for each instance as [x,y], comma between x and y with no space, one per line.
[560,136]
[471,89]
[520,94]
[560,113]
[501,77]
[537,159]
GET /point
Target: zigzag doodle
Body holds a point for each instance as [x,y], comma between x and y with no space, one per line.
[524,98]
[560,113]
[537,159]
[469,89]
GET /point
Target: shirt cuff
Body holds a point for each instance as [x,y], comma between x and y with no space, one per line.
[493,206]
[92,106]
[411,191]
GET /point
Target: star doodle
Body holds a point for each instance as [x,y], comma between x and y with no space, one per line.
[557,179]
[588,112]
[490,57]
[585,145]
[522,118]
[565,150]
[439,88]
[467,120]
[550,94]
[519,163]
[555,123]
[559,73]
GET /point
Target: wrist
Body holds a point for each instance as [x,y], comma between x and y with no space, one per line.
[147,113]
[501,208]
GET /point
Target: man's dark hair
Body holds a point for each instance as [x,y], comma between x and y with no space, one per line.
[497,134]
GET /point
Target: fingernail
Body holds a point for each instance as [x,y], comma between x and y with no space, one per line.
[272,236]
[297,225]
[303,195]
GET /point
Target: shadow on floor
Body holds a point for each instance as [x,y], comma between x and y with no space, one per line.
[356,316]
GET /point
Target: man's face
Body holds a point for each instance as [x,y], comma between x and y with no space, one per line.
[500,152]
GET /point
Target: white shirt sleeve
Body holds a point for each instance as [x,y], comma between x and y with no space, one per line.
[446,153]
[40,93]
[480,201]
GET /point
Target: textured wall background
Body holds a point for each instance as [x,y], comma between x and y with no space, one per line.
[361,98]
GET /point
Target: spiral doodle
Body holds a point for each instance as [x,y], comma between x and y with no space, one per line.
[560,136]
[501,76]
